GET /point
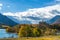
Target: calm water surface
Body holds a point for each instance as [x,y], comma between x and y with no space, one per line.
[4,34]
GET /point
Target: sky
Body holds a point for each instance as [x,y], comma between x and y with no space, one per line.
[23,5]
[30,10]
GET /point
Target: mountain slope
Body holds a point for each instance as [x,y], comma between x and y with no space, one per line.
[5,20]
[55,20]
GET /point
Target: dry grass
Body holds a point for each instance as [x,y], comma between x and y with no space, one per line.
[42,38]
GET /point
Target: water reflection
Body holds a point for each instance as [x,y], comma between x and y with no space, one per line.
[4,34]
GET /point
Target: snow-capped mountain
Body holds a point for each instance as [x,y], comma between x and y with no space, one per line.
[34,15]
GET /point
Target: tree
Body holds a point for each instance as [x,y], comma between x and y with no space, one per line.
[25,31]
[36,32]
[56,26]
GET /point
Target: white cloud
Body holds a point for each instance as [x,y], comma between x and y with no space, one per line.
[1,6]
[44,12]
[8,14]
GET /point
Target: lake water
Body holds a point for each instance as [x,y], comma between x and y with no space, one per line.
[4,34]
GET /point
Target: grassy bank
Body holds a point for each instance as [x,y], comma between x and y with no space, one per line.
[35,38]
[8,39]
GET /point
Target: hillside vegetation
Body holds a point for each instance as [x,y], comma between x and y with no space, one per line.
[37,30]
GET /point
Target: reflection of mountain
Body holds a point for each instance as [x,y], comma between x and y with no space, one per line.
[55,20]
[5,20]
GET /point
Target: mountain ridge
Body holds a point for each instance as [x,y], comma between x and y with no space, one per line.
[55,20]
[5,20]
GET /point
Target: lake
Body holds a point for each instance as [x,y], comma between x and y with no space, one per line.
[4,34]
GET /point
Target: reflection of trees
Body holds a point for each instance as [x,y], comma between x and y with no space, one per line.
[10,31]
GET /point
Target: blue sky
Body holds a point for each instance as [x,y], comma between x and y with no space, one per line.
[30,10]
[22,5]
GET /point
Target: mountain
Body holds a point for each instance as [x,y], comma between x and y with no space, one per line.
[34,15]
[5,20]
[19,21]
[55,20]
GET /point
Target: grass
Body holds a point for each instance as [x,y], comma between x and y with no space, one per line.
[9,39]
[42,38]
[35,38]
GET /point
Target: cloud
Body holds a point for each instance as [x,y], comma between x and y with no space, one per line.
[57,1]
[9,14]
[42,13]
[1,6]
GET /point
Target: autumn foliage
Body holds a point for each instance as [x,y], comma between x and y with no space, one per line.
[37,30]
